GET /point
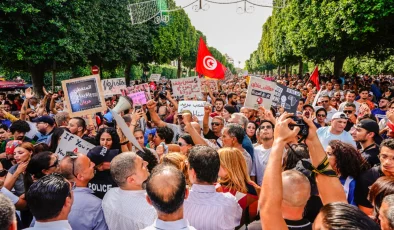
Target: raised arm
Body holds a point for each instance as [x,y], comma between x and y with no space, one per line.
[272,190]
[171,99]
[330,188]
[52,104]
[151,105]
[196,136]
[28,95]
[205,121]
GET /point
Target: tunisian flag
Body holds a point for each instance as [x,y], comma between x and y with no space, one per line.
[207,65]
[315,78]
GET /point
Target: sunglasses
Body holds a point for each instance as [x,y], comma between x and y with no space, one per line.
[347,111]
[3,173]
[321,115]
[324,101]
[73,156]
[181,144]
[266,127]
[215,124]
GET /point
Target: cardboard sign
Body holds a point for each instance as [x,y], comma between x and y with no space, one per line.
[73,143]
[113,86]
[286,98]
[189,87]
[209,83]
[84,95]
[154,77]
[260,93]
[138,88]
[138,98]
[196,107]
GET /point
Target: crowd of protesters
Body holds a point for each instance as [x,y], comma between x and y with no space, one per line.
[236,168]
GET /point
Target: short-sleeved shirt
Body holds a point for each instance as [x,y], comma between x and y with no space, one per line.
[370,154]
[380,114]
[19,186]
[325,136]
[364,181]
[261,156]
[210,135]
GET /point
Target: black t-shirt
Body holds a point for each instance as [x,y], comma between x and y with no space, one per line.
[210,135]
[349,125]
[101,183]
[364,181]
[303,224]
[370,154]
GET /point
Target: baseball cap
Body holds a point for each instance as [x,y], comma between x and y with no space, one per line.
[11,145]
[45,119]
[100,154]
[308,105]
[371,126]
[339,115]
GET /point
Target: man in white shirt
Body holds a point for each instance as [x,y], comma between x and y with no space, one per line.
[50,200]
[205,208]
[325,100]
[262,152]
[349,97]
[125,207]
[168,202]
[329,90]
[336,131]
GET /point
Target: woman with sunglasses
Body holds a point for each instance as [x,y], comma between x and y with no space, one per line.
[185,142]
[321,115]
[234,178]
[22,156]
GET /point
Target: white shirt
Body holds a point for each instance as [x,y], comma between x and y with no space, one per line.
[261,156]
[170,225]
[58,225]
[329,113]
[207,209]
[126,209]
[14,199]
[248,159]
[325,136]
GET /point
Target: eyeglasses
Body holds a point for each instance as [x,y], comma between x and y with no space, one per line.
[73,156]
[3,173]
[347,111]
[266,127]
[321,115]
[55,164]
[324,101]
[215,124]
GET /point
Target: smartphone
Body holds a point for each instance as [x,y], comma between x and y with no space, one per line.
[137,107]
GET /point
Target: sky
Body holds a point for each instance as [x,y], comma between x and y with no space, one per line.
[236,34]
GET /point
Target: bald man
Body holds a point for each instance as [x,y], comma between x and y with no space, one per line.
[166,192]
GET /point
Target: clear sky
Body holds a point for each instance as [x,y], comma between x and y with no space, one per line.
[236,34]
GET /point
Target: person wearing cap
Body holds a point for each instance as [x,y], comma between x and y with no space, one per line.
[336,131]
[364,182]
[86,212]
[45,127]
[380,112]
[366,133]
[126,207]
[102,181]
[363,92]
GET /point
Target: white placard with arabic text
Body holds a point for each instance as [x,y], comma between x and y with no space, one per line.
[196,107]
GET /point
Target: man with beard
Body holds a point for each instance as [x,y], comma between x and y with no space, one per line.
[77,126]
[364,92]
[217,125]
[178,128]
[232,101]
[380,112]
[219,106]
[18,130]
[364,182]
[45,128]
[262,152]
[366,133]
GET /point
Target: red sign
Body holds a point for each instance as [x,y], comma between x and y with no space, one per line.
[95,69]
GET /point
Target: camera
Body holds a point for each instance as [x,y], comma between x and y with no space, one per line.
[304,129]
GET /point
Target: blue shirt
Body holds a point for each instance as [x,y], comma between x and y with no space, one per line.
[380,114]
[248,146]
[6,122]
[86,212]
[350,191]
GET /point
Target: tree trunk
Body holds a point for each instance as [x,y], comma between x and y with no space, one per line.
[37,77]
[300,67]
[179,70]
[127,71]
[279,70]
[338,64]
[286,69]
[53,76]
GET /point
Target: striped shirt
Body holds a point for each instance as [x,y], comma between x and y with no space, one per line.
[207,209]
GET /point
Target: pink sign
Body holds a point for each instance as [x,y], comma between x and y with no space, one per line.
[138,98]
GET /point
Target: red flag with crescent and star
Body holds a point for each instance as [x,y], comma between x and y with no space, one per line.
[207,65]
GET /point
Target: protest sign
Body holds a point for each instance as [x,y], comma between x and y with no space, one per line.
[196,107]
[138,98]
[286,98]
[138,88]
[84,95]
[260,93]
[154,77]
[209,83]
[70,142]
[189,87]
[113,86]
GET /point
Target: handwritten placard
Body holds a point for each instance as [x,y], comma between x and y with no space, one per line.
[154,77]
[84,95]
[138,98]
[286,98]
[138,88]
[73,143]
[113,86]
[196,107]
[260,93]
[189,87]
[209,83]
